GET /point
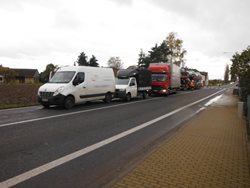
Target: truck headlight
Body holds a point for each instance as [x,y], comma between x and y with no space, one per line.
[58,91]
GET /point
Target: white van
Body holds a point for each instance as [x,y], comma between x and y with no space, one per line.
[76,84]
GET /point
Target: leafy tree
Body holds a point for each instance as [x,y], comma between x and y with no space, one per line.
[215,82]
[170,50]
[93,62]
[82,60]
[44,76]
[241,69]
[164,52]
[143,60]
[177,52]
[226,74]
[7,73]
[157,54]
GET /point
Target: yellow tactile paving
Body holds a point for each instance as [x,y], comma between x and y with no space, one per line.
[210,151]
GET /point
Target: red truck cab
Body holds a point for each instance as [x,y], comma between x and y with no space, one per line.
[165,78]
[160,79]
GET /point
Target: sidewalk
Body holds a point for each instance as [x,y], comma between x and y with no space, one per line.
[209,151]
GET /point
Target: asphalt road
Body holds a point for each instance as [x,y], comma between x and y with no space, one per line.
[90,145]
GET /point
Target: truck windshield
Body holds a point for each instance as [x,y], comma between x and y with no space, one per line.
[62,77]
[159,77]
[121,81]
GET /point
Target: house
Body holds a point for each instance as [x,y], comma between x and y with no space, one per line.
[26,75]
[205,79]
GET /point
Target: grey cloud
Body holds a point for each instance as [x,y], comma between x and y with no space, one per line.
[123,2]
[13,5]
[67,20]
[227,20]
[36,48]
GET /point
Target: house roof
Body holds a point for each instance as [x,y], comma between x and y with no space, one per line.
[26,72]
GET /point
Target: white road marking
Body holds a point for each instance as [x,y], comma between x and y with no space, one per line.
[43,168]
[72,113]
[82,111]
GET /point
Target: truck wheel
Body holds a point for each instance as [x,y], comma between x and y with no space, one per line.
[45,105]
[108,98]
[69,102]
[128,97]
[144,95]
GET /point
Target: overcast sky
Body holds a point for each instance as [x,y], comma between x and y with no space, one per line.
[34,33]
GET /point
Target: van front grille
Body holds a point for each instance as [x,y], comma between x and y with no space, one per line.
[46,95]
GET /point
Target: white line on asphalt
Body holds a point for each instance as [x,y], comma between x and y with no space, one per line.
[72,113]
[41,169]
[78,112]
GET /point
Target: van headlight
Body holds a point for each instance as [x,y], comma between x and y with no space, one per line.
[58,91]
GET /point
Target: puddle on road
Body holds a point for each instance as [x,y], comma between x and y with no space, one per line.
[213,100]
[221,100]
[225,100]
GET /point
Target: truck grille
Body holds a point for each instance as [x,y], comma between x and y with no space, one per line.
[46,95]
[157,87]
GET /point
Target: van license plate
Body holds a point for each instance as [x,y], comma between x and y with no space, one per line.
[45,100]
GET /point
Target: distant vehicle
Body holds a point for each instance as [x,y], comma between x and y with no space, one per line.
[185,80]
[166,78]
[190,79]
[133,82]
[76,84]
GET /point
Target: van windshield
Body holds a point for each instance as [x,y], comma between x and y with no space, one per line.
[159,77]
[121,81]
[62,77]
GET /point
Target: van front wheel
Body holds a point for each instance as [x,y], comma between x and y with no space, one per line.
[108,98]
[69,102]
[128,97]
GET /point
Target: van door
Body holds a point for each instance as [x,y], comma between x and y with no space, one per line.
[80,83]
[133,87]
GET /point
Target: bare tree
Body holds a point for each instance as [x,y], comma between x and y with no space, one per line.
[115,62]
